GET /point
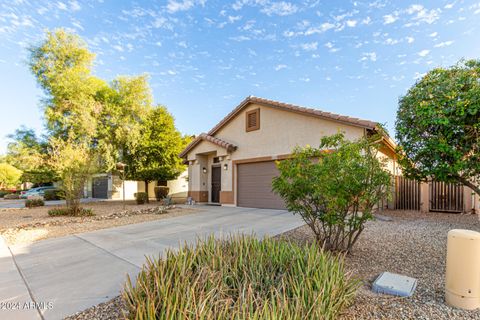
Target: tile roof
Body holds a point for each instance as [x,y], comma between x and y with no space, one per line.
[298,109]
[203,136]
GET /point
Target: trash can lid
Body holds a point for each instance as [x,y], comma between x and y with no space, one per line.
[463,233]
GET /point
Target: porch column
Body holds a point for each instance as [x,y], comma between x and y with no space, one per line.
[467,199]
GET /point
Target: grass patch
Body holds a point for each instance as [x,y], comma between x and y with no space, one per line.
[241,278]
[80,212]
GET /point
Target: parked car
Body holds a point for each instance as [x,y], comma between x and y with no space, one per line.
[40,191]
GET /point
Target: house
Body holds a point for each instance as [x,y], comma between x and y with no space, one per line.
[234,163]
[110,186]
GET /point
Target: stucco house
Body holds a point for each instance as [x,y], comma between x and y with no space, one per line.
[234,163]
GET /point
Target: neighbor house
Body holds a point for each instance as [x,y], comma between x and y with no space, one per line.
[110,186]
[234,163]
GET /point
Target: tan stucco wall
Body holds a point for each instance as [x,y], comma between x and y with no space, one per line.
[280,132]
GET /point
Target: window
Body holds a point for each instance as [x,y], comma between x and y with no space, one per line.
[252,120]
[216,160]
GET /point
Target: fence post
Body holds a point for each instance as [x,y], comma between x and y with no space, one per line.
[467,199]
[424,197]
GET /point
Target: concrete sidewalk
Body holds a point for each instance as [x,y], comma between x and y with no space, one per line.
[69,274]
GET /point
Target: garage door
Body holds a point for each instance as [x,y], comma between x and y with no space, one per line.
[100,188]
[255,186]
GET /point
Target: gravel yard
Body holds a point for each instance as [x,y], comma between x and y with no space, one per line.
[20,226]
[412,244]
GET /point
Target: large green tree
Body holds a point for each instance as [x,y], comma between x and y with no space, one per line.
[115,121]
[155,157]
[438,126]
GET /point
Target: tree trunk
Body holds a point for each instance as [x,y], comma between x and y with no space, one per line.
[146,191]
[469,184]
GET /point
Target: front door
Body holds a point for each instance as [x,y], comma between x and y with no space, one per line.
[216,183]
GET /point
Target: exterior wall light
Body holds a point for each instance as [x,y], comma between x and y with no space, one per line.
[204,170]
[225,167]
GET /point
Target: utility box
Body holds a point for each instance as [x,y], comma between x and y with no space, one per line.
[462,280]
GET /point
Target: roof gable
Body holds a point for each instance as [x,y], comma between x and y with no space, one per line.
[293,108]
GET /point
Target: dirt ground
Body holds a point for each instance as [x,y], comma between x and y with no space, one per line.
[412,244]
[19,226]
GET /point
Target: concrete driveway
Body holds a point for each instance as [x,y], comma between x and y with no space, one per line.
[69,274]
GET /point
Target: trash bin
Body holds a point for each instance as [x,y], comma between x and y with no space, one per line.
[462,280]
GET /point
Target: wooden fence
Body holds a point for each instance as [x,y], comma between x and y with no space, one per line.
[407,194]
[446,197]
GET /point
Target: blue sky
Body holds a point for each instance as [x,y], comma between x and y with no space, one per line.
[350,57]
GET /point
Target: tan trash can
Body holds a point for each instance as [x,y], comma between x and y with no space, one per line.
[462,281]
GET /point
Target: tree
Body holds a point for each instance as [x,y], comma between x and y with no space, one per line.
[9,176]
[155,158]
[62,65]
[334,188]
[73,163]
[438,126]
[27,152]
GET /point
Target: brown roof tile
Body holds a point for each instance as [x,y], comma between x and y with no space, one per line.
[203,136]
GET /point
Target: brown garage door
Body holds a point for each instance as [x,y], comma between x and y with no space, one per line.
[255,186]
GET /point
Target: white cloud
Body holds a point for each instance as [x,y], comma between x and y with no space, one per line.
[351,23]
[182,44]
[423,53]
[232,19]
[390,18]
[391,41]
[175,6]
[372,56]
[171,72]
[305,79]
[320,29]
[61,6]
[443,44]
[410,39]
[367,21]
[433,34]
[75,6]
[281,8]
[449,6]
[279,67]
[118,48]
[309,46]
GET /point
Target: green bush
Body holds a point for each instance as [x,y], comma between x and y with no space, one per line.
[81,212]
[334,191]
[141,197]
[31,203]
[11,196]
[52,194]
[161,192]
[241,278]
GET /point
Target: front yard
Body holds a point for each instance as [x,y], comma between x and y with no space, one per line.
[20,226]
[413,244]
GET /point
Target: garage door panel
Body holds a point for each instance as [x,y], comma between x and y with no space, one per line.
[255,186]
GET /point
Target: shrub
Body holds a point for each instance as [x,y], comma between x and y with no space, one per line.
[141,197]
[4,193]
[79,212]
[161,192]
[334,191]
[52,194]
[11,196]
[31,203]
[241,278]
